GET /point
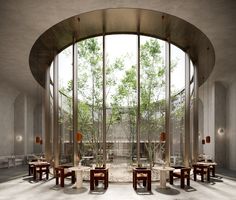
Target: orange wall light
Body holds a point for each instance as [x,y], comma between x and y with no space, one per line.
[208,139]
[37,139]
[162,136]
[79,136]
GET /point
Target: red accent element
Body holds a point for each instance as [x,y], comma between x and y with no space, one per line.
[208,139]
[79,137]
[37,139]
[162,136]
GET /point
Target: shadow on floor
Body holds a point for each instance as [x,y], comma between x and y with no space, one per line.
[7,174]
[74,190]
[143,191]
[167,191]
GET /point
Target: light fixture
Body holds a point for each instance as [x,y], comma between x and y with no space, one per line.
[162,136]
[79,136]
[221,131]
[203,141]
[19,138]
[208,139]
[37,140]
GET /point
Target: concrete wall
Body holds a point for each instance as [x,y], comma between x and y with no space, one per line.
[30,126]
[200,126]
[220,124]
[7,98]
[38,127]
[19,124]
[231,125]
[17,121]
[24,124]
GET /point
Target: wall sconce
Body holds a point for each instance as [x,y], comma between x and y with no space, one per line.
[203,141]
[37,140]
[41,142]
[19,138]
[208,139]
[221,131]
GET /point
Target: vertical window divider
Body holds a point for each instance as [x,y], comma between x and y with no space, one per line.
[75,102]
[167,107]
[55,112]
[187,112]
[104,97]
[195,115]
[48,151]
[138,102]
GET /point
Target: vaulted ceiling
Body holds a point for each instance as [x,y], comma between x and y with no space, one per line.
[22,22]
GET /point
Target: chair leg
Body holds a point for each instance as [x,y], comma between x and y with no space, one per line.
[91,181]
[202,174]
[73,179]
[91,185]
[40,173]
[171,177]
[57,177]
[208,174]
[47,173]
[182,182]
[106,181]
[62,179]
[188,181]
[144,183]
[194,175]
[149,182]
[135,183]
[213,170]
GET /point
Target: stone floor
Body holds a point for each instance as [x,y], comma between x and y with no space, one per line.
[19,186]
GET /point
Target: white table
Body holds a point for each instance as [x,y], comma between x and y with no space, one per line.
[79,174]
[163,171]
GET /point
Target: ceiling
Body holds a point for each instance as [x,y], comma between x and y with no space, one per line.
[22,22]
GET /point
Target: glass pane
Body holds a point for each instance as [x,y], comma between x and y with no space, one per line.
[121,104]
[65,106]
[177,104]
[152,107]
[90,97]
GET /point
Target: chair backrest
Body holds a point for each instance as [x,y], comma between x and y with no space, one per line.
[99,167]
[140,168]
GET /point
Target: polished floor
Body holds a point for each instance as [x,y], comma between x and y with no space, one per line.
[19,186]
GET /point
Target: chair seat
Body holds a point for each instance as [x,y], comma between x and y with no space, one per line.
[141,175]
[99,175]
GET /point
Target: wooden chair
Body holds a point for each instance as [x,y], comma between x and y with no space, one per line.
[97,174]
[182,173]
[31,167]
[61,172]
[213,170]
[40,169]
[212,167]
[143,174]
[201,170]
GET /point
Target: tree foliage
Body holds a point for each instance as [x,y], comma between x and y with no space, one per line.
[122,105]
